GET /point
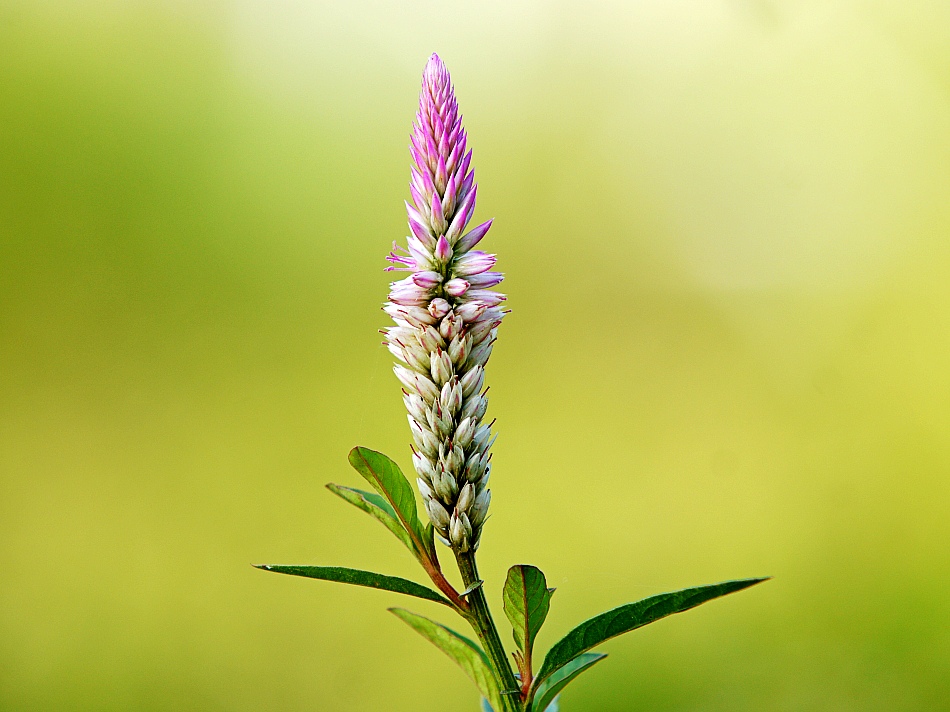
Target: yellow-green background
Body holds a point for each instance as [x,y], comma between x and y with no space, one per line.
[724,225]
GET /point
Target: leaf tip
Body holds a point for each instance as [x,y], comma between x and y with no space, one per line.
[358,453]
[471,589]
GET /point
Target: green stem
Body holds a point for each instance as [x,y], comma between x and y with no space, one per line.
[481,620]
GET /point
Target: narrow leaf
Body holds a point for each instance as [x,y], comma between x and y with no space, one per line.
[551,688]
[466,653]
[527,599]
[387,479]
[361,578]
[376,506]
[629,617]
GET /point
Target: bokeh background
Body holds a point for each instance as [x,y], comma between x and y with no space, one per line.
[725,229]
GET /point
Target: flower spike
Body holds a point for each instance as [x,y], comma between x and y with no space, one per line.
[446,318]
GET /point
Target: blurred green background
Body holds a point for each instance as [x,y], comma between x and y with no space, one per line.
[725,229]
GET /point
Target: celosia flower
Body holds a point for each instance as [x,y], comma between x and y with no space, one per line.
[446,319]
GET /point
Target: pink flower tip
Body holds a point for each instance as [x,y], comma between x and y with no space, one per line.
[443,252]
[435,72]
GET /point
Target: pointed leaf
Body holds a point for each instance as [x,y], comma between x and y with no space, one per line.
[548,690]
[527,599]
[466,653]
[361,578]
[629,617]
[387,479]
[376,506]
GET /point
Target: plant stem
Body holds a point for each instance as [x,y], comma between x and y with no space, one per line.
[481,620]
[438,578]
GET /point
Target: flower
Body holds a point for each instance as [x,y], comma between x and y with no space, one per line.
[446,317]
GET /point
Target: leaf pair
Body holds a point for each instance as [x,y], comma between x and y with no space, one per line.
[569,657]
[527,600]
[394,505]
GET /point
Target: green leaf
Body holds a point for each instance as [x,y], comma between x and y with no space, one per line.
[466,653]
[387,479]
[552,687]
[527,599]
[361,578]
[376,506]
[629,617]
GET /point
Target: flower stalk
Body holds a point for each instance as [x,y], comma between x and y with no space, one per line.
[481,620]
